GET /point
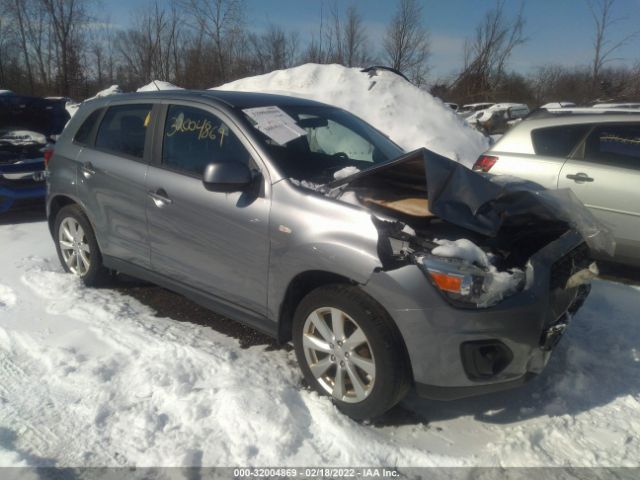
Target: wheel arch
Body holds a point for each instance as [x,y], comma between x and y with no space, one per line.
[301,285]
[304,283]
[56,204]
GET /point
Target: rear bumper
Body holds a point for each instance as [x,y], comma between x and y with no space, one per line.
[456,352]
[21,181]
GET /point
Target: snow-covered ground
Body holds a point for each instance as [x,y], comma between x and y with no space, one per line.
[93,377]
[410,116]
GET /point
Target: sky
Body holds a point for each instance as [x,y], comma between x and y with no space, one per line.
[558,31]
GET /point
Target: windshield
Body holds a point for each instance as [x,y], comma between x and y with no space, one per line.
[319,144]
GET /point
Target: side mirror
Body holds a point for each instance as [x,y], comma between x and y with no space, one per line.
[226,177]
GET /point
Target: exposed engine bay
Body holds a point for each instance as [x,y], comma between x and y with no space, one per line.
[472,235]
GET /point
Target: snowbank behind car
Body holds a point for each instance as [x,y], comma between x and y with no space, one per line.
[410,116]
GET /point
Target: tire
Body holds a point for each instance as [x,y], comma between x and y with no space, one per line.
[380,387]
[79,253]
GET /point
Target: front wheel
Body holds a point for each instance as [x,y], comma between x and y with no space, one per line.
[349,349]
[77,247]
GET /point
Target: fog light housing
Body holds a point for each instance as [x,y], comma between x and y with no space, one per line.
[484,359]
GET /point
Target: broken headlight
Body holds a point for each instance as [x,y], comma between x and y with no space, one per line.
[468,285]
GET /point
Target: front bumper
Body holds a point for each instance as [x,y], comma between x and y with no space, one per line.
[446,345]
[20,181]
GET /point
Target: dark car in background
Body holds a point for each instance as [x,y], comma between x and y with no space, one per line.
[28,129]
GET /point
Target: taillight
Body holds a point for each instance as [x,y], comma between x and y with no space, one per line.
[47,154]
[484,163]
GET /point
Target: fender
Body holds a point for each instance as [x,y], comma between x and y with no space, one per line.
[318,233]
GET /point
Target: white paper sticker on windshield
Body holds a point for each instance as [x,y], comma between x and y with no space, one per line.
[281,133]
[275,124]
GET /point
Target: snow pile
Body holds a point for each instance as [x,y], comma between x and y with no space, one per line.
[157,85]
[112,90]
[408,115]
[345,172]
[7,297]
[306,184]
[558,105]
[497,284]
[22,137]
[463,249]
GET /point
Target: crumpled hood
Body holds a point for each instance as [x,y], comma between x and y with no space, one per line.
[482,203]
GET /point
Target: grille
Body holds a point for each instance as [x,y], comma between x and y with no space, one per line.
[575,260]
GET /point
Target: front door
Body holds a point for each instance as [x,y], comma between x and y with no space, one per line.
[216,243]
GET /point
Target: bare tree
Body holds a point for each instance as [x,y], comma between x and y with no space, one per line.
[604,48]
[341,39]
[102,52]
[273,50]
[222,21]
[151,49]
[487,53]
[19,12]
[406,43]
[7,45]
[68,17]
[355,39]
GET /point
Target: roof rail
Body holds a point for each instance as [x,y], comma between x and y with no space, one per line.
[568,111]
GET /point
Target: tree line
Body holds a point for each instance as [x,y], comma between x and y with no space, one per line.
[69,48]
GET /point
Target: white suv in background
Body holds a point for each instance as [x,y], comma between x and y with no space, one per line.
[596,153]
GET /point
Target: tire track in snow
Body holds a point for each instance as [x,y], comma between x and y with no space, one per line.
[43,417]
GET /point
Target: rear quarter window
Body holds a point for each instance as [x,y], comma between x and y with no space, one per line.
[558,141]
[123,129]
[83,135]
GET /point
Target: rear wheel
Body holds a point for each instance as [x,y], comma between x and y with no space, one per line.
[349,349]
[77,247]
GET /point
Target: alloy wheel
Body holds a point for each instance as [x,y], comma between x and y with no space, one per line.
[339,355]
[74,246]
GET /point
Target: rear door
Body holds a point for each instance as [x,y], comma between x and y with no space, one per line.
[112,172]
[606,178]
[216,243]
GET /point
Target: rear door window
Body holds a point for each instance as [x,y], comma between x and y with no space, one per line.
[194,138]
[617,145]
[558,141]
[123,129]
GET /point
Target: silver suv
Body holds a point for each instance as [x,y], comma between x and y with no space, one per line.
[303,221]
[595,153]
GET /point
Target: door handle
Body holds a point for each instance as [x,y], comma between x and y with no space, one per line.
[87,170]
[160,198]
[580,177]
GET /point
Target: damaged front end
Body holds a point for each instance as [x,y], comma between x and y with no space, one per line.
[472,236]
